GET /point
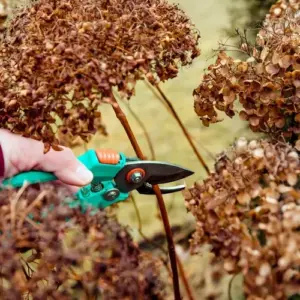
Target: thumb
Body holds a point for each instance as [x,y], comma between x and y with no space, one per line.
[24,154]
[66,167]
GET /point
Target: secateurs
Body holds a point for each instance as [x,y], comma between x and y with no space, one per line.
[115,176]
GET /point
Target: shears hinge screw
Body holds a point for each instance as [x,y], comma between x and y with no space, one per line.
[136,177]
[111,194]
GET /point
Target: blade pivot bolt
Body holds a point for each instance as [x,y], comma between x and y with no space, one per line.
[135,176]
[111,194]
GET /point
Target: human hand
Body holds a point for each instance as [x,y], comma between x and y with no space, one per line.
[23,154]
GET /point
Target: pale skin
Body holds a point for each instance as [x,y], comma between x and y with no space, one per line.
[25,154]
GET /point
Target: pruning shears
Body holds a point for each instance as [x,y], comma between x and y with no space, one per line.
[115,176]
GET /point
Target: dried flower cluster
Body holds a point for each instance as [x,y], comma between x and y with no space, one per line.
[59,60]
[248,210]
[279,9]
[51,251]
[267,84]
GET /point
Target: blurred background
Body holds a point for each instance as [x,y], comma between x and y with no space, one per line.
[216,21]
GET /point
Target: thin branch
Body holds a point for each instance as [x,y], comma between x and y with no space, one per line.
[171,246]
[122,118]
[34,203]
[146,134]
[170,108]
[25,273]
[13,204]
[145,237]
[186,133]
[158,96]
[140,228]
[180,266]
[185,280]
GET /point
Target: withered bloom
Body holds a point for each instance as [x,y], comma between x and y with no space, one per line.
[59,60]
[49,250]
[278,10]
[267,84]
[248,210]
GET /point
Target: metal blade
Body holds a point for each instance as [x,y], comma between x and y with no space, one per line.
[147,189]
[160,172]
[155,173]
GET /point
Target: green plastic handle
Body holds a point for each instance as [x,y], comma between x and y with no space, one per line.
[104,174]
[32,177]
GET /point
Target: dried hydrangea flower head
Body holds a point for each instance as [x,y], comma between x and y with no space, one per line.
[61,59]
[48,249]
[267,84]
[248,210]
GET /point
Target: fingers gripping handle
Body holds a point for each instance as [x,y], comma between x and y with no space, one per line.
[102,163]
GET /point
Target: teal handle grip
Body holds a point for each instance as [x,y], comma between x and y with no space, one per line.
[104,173]
[32,177]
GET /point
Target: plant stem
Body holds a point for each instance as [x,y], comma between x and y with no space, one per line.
[140,229]
[146,134]
[122,118]
[185,280]
[171,246]
[180,266]
[159,97]
[186,133]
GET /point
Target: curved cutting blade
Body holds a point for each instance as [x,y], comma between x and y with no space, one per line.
[155,173]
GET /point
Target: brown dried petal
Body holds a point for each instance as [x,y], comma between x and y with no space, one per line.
[272,69]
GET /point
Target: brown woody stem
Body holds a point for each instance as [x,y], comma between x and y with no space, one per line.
[146,134]
[180,266]
[186,133]
[147,239]
[185,281]
[172,254]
